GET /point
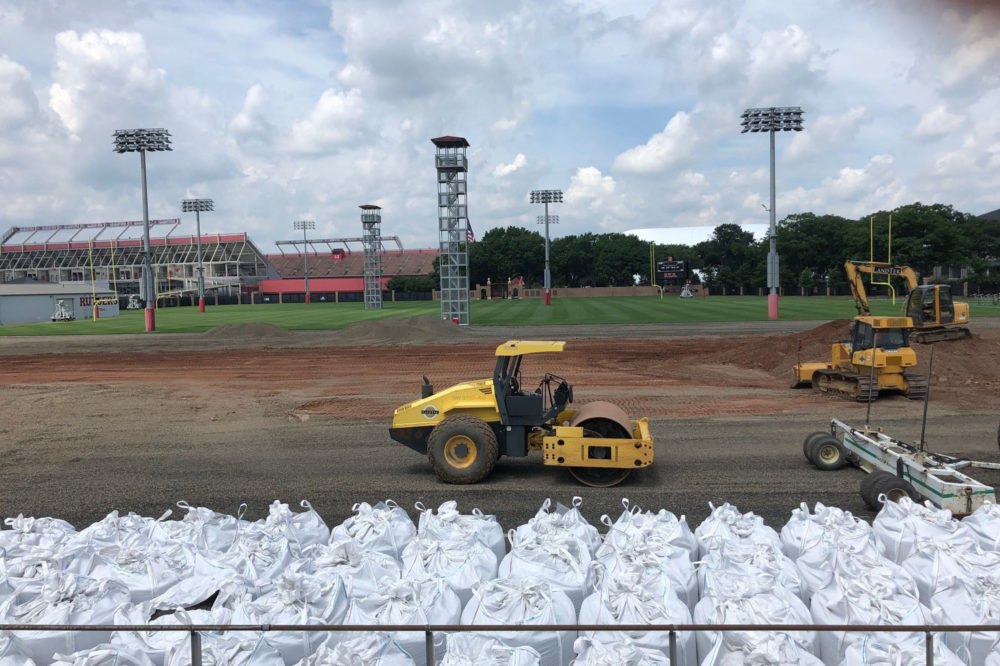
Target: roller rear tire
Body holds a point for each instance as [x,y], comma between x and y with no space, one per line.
[462,449]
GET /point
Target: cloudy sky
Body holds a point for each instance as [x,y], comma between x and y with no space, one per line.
[305,109]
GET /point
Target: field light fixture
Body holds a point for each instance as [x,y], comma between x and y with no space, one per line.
[197,206]
[772,119]
[304,225]
[142,141]
[553,219]
[546,197]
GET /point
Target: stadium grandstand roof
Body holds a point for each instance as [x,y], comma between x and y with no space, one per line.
[62,233]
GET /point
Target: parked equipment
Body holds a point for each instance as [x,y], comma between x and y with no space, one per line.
[63,312]
[465,428]
[874,359]
[935,316]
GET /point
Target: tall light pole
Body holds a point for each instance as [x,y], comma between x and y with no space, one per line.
[546,197]
[198,205]
[142,141]
[304,225]
[771,120]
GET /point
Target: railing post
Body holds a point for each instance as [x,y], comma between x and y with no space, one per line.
[672,646]
[195,648]
[929,648]
[429,646]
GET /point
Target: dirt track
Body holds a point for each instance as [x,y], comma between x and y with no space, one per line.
[253,414]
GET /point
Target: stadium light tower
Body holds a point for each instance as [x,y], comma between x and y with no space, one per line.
[303,225]
[771,120]
[546,197]
[142,141]
[198,205]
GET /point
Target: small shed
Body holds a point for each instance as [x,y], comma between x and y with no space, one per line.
[27,302]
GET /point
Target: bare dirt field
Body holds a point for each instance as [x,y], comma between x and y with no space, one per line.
[253,413]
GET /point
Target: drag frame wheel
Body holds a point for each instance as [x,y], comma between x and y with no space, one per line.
[827,453]
[890,486]
[462,449]
[810,438]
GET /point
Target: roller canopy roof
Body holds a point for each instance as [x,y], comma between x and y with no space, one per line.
[519,347]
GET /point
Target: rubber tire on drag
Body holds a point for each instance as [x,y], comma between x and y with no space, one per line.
[445,449]
[830,447]
[889,485]
[809,439]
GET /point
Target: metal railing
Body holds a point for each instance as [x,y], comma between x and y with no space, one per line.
[430,629]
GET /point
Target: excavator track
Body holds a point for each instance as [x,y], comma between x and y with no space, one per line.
[917,387]
[850,385]
[940,335]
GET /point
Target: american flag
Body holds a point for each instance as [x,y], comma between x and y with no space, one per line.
[470,235]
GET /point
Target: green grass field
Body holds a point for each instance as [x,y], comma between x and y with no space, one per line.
[524,312]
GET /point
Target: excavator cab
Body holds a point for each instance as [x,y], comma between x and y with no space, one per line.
[931,305]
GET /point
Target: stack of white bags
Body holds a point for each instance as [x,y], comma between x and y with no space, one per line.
[915,565]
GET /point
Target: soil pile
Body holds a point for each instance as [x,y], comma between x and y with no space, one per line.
[400,331]
[248,331]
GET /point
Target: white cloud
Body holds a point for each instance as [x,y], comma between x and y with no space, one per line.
[252,121]
[938,122]
[502,170]
[825,133]
[18,103]
[338,118]
[664,149]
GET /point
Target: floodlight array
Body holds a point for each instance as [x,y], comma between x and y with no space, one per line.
[553,219]
[773,119]
[304,224]
[197,205]
[546,196]
[136,140]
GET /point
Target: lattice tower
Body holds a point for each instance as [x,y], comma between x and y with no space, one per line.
[371,238]
[453,227]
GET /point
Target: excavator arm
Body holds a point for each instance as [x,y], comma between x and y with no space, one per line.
[855,269]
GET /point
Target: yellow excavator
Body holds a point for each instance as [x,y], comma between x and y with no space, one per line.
[465,428]
[936,317]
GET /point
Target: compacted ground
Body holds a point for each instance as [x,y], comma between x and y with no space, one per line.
[254,413]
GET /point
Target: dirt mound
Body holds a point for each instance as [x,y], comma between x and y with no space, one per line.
[251,330]
[400,331]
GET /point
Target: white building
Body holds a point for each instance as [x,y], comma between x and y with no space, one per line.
[23,303]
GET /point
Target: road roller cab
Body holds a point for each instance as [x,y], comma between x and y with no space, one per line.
[465,428]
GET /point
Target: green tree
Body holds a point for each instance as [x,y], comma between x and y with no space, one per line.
[732,259]
[505,253]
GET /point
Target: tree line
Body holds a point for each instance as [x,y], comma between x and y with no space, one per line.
[812,250]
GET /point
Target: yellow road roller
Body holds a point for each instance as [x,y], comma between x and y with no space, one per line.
[465,428]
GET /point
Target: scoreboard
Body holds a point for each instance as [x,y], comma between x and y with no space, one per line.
[671,270]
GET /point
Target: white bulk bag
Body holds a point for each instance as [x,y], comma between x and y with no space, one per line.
[205,529]
[900,525]
[750,560]
[23,576]
[256,557]
[563,520]
[819,560]
[297,598]
[147,568]
[878,649]
[621,603]
[227,650]
[429,601]
[11,651]
[665,525]
[462,563]
[647,569]
[65,599]
[726,523]
[471,649]
[735,598]
[157,644]
[862,600]
[804,529]
[361,570]
[450,525]
[375,648]
[22,531]
[384,527]
[984,523]
[975,601]
[114,528]
[936,565]
[558,558]
[525,602]
[594,652]
[102,655]
[301,529]
[761,648]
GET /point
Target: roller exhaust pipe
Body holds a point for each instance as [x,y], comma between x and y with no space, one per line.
[426,389]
